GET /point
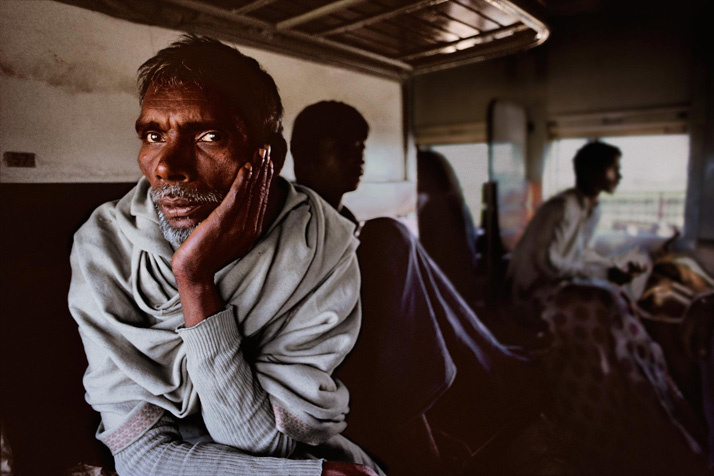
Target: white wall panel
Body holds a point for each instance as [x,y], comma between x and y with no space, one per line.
[68,94]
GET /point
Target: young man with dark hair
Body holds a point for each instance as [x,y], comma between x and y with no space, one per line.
[431,363]
[333,134]
[213,300]
[608,383]
[555,246]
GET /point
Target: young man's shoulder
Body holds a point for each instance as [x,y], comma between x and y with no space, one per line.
[568,202]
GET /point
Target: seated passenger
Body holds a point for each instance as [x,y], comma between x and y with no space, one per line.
[445,218]
[612,399]
[556,245]
[430,358]
[214,301]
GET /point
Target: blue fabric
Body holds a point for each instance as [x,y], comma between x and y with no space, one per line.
[416,331]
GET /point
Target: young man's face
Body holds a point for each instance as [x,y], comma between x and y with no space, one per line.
[192,148]
[342,162]
[610,177]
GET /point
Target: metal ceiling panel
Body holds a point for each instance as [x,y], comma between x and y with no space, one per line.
[391,38]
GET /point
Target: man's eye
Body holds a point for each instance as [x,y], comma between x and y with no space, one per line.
[210,137]
[152,137]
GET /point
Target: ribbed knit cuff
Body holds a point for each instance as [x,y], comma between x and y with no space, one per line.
[152,454]
[304,467]
[212,335]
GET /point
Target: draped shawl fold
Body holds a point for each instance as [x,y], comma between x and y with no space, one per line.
[296,296]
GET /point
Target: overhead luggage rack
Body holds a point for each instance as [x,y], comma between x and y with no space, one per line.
[391,38]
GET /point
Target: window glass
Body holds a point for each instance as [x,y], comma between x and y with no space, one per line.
[558,173]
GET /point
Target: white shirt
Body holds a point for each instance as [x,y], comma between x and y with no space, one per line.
[556,247]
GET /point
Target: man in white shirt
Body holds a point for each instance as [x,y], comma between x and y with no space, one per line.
[556,245]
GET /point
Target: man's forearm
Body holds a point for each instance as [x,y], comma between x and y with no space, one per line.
[161,452]
[235,408]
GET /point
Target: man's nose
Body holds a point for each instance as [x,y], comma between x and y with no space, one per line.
[176,163]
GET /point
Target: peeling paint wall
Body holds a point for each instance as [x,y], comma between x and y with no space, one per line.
[68,94]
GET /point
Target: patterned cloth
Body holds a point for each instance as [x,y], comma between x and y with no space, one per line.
[422,350]
[617,406]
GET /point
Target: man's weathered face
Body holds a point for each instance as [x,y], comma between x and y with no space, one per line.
[192,148]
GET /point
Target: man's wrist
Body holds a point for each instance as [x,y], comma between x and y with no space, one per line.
[213,335]
[199,299]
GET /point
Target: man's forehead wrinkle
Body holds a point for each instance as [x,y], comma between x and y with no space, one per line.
[186,88]
[167,100]
[173,84]
[190,123]
[157,102]
[181,109]
[174,99]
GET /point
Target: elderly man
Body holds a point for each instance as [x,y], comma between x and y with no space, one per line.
[214,301]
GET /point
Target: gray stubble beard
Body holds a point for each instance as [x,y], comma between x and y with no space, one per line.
[176,236]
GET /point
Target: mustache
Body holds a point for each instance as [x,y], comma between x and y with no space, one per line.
[182,191]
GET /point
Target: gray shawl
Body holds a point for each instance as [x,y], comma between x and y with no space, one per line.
[300,318]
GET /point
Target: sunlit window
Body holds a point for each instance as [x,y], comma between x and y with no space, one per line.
[650,197]
[470,163]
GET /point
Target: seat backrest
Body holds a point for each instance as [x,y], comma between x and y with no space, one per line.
[49,425]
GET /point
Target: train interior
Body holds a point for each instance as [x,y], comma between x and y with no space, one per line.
[503,91]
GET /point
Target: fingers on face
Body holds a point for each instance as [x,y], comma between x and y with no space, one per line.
[261,186]
[256,190]
[240,183]
[267,171]
[249,194]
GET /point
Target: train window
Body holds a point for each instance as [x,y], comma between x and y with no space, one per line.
[650,199]
[470,163]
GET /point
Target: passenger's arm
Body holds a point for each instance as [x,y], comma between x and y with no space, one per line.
[229,232]
[595,264]
[160,451]
[235,408]
[235,405]
[295,365]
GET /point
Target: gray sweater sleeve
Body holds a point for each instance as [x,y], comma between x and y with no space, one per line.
[235,408]
[160,451]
